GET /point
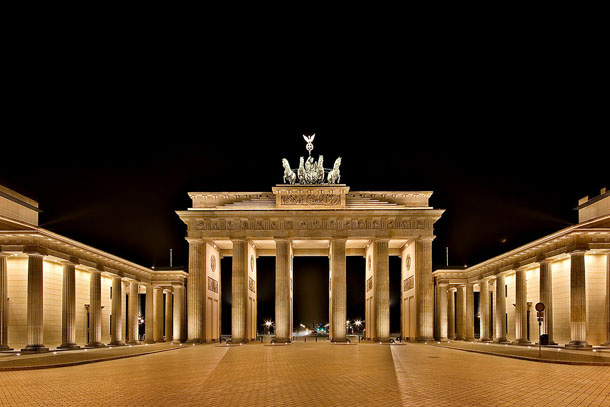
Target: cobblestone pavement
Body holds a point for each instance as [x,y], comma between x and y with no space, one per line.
[311,374]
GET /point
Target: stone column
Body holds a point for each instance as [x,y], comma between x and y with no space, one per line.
[451,313]
[116,338]
[149,320]
[484,314]
[95,309]
[461,312]
[424,289]
[607,343]
[239,291]
[283,262]
[441,311]
[382,291]
[578,301]
[3,303]
[520,308]
[546,297]
[195,296]
[178,313]
[158,314]
[68,308]
[500,309]
[169,315]
[469,317]
[35,305]
[134,291]
[338,287]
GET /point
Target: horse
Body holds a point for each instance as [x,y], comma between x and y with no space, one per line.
[288,173]
[301,171]
[320,170]
[334,176]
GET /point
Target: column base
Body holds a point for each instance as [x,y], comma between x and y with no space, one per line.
[340,340]
[190,341]
[442,340]
[116,344]
[605,344]
[578,345]
[5,348]
[485,340]
[280,340]
[95,345]
[35,349]
[133,343]
[68,346]
[521,342]
[503,341]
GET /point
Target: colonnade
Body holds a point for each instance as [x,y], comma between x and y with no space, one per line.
[447,307]
[119,334]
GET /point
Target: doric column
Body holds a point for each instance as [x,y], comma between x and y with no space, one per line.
[149,320]
[469,318]
[484,310]
[338,286]
[283,262]
[68,308]
[500,309]
[3,303]
[239,291]
[451,313]
[382,290]
[95,309]
[35,305]
[195,295]
[424,289]
[607,300]
[441,311]
[116,338]
[158,314]
[520,308]
[546,297]
[461,312]
[578,301]
[134,291]
[178,313]
[169,315]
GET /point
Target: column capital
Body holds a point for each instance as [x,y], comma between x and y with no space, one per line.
[425,239]
[452,289]
[577,252]
[193,240]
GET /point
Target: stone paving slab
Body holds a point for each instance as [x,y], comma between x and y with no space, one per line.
[599,357]
[17,361]
[311,374]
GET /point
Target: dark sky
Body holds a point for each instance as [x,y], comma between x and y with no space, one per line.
[508,135]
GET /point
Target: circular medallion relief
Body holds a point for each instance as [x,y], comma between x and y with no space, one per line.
[252,262]
[408,261]
[213,263]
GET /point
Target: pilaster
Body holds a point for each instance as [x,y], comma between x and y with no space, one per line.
[424,288]
[195,295]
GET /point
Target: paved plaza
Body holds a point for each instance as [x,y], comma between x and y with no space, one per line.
[306,374]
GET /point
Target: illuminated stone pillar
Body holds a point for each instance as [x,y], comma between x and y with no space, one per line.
[95,309]
[116,337]
[484,310]
[169,315]
[607,343]
[3,303]
[520,308]
[283,263]
[382,291]
[500,318]
[424,289]
[451,313]
[149,320]
[178,314]
[338,296]
[158,314]
[460,309]
[134,290]
[469,317]
[546,297]
[195,295]
[239,291]
[578,301]
[441,311]
[35,305]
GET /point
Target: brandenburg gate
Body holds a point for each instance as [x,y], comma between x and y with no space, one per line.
[310,214]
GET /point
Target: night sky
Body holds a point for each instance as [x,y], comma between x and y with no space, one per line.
[110,150]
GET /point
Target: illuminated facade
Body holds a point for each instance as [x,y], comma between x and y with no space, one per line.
[310,220]
[59,293]
[568,271]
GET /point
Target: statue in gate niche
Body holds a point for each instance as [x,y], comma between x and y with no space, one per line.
[311,172]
